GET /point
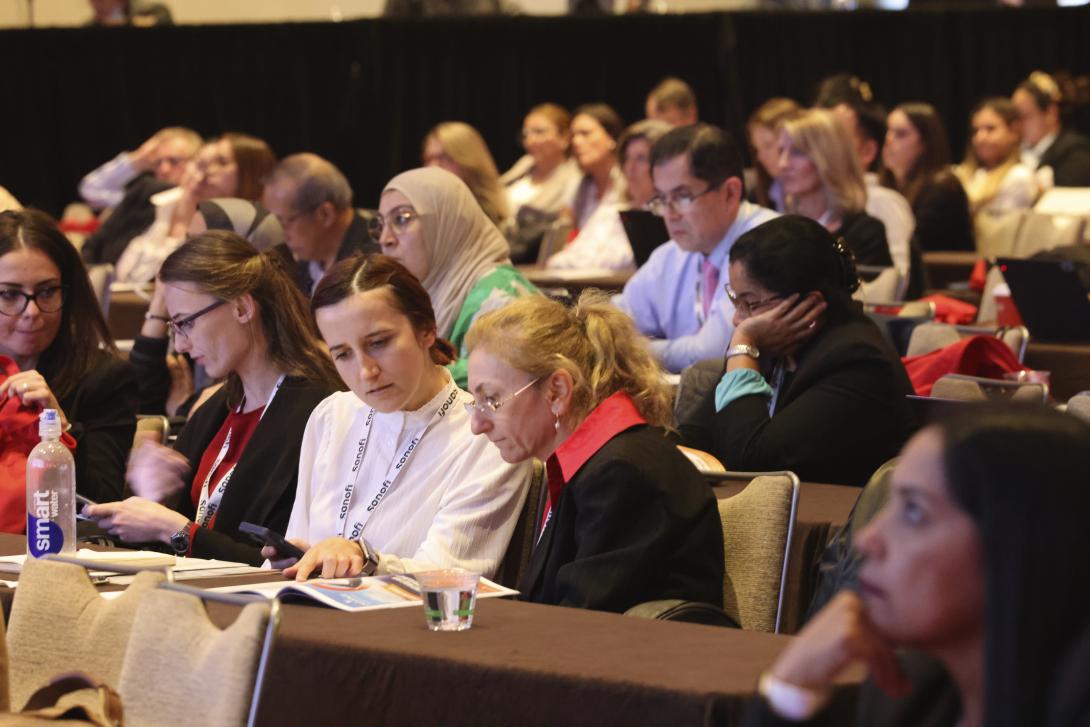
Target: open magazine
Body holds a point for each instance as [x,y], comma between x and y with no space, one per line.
[355,594]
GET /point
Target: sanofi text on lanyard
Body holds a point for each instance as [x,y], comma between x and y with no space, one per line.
[378,490]
[210,503]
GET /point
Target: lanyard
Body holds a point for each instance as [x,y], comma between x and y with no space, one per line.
[397,466]
[778,373]
[210,503]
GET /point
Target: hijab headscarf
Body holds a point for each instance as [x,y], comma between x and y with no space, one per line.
[248,219]
[461,244]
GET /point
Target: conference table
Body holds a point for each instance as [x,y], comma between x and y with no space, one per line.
[521,663]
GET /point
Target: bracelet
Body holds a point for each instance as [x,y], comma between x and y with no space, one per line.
[154,317]
[790,701]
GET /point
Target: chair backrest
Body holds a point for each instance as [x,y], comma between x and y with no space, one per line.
[758,525]
[974,388]
[155,427]
[693,386]
[886,285]
[1079,405]
[201,674]
[1041,231]
[987,313]
[553,241]
[933,336]
[59,623]
[996,236]
[522,539]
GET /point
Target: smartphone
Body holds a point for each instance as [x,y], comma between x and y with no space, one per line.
[81,502]
[263,535]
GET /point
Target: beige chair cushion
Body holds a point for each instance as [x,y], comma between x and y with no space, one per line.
[928,337]
[996,236]
[756,522]
[59,623]
[972,388]
[1079,405]
[181,668]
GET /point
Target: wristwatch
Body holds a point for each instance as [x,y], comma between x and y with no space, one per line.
[180,542]
[742,349]
[370,558]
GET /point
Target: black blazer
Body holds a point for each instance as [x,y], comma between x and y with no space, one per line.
[933,701]
[356,240]
[102,410]
[839,416]
[636,523]
[1069,157]
[262,489]
[943,221]
[866,237]
[132,216]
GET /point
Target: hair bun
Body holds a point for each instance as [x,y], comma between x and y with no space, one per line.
[849,274]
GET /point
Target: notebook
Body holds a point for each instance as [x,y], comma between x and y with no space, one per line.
[645,232]
[1050,298]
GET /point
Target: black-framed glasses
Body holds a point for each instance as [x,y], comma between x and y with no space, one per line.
[184,326]
[747,308]
[680,202]
[400,219]
[49,299]
[489,406]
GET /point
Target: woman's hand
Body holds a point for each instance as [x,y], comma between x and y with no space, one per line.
[337,557]
[277,560]
[137,520]
[840,635]
[782,329]
[32,390]
[155,472]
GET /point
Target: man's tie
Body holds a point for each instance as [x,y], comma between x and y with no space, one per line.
[711,282]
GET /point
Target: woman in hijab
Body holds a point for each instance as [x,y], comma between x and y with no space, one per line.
[166,380]
[430,222]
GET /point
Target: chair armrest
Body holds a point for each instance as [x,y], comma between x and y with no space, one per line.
[675,609]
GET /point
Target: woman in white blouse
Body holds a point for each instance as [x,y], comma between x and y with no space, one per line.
[391,479]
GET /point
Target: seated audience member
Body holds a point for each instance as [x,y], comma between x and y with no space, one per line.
[866,124]
[52,329]
[540,185]
[674,102]
[165,380]
[628,519]
[763,129]
[677,297]
[313,202]
[137,13]
[974,586]
[595,129]
[430,223]
[1046,143]
[126,184]
[459,148]
[391,479]
[995,181]
[233,165]
[603,242]
[822,179]
[810,384]
[236,312]
[917,164]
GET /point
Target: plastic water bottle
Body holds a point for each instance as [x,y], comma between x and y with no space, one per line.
[50,492]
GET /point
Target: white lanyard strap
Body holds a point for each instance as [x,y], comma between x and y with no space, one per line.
[352,528]
[209,503]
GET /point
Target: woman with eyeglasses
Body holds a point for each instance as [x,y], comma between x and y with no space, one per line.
[429,222]
[391,480]
[628,519]
[56,353]
[236,312]
[809,383]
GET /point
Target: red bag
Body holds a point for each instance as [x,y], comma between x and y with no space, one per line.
[985,356]
[951,310]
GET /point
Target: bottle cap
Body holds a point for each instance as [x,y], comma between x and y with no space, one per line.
[49,424]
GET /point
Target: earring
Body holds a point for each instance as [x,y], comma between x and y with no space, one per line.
[556,425]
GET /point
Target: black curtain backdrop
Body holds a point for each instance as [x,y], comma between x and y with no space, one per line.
[363,93]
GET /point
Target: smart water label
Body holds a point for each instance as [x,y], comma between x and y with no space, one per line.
[44,534]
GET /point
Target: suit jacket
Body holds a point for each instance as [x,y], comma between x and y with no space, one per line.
[635,523]
[132,216]
[102,410]
[356,240]
[1069,157]
[933,702]
[838,417]
[262,489]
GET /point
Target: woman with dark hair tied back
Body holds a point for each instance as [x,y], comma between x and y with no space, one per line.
[391,479]
[916,162]
[974,585]
[595,129]
[56,352]
[236,312]
[810,384]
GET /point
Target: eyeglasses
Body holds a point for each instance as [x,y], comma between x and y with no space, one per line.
[680,202]
[745,307]
[400,219]
[184,326]
[49,300]
[490,406]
